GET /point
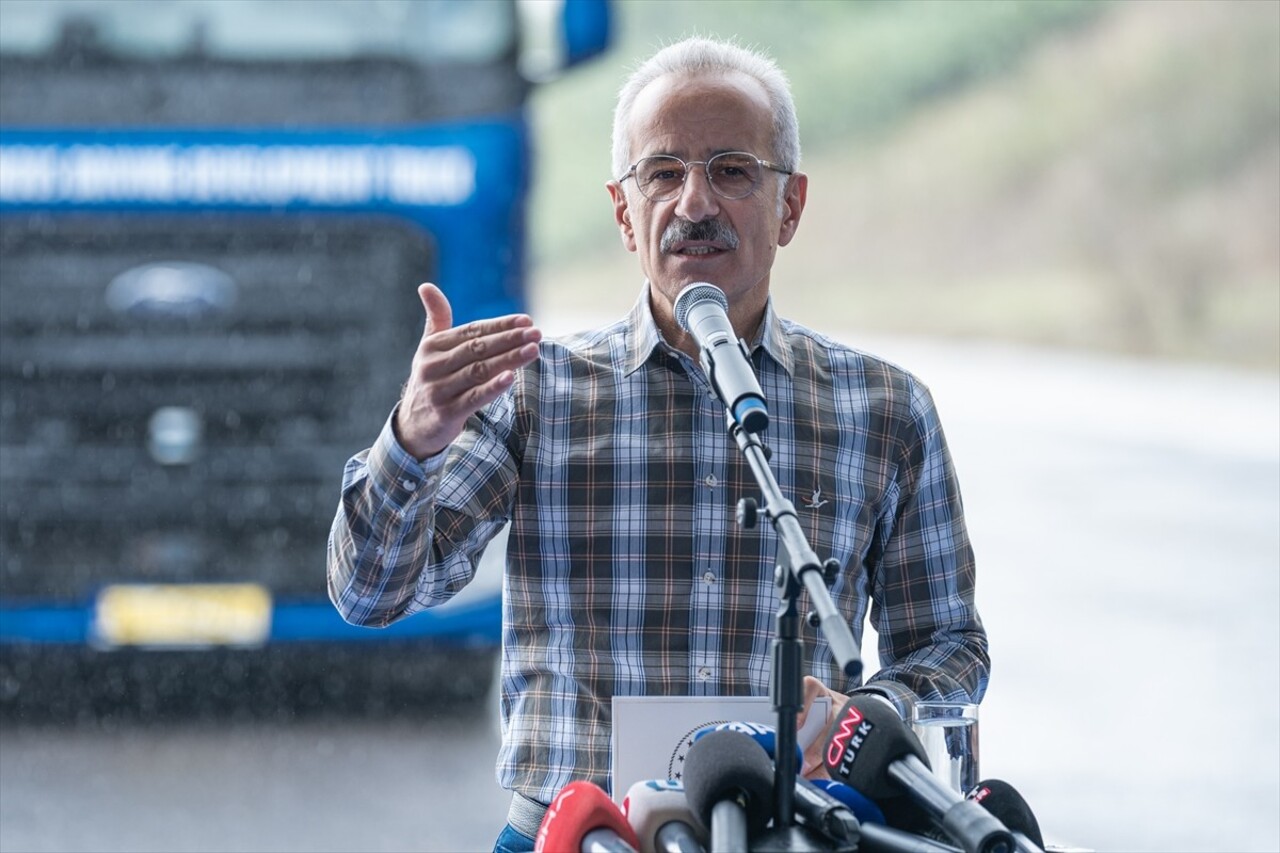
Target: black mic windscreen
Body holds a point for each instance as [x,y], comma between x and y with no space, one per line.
[1008,806]
[866,737]
[722,764]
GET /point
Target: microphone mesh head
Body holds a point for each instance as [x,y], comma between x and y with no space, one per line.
[694,294]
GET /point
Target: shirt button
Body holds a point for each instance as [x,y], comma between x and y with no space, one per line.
[704,673]
[709,578]
[409,485]
[380,550]
[431,481]
[711,480]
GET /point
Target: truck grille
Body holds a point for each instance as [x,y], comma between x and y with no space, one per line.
[100,92]
[184,440]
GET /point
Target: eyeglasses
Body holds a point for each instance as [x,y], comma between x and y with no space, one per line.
[731,175]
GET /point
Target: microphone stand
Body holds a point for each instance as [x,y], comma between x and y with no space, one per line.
[798,567]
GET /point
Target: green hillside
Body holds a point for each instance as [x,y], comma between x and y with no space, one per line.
[1079,174]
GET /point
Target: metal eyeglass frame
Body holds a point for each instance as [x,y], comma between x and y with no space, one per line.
[706,168]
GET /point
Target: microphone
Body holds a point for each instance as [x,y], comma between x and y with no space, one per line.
[1002,800]
[702,311]
[869,833]
[870,748]
[728,780]
[863,808]
[825,813]
[582,819]
[659,813]
[877,838]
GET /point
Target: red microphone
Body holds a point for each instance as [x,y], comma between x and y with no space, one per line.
[582,819]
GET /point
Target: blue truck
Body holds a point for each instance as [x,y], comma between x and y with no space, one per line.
[213,219]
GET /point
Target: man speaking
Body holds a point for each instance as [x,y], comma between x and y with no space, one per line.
[608,454]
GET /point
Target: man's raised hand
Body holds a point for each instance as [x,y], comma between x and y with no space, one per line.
[458,371]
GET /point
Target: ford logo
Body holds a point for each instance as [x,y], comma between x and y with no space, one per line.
[175,290]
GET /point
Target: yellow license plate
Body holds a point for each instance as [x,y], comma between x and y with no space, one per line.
[183,615]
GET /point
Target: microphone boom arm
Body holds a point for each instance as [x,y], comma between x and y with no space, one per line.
[798,566]
[795,550]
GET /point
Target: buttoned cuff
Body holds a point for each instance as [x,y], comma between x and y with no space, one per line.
[396,473]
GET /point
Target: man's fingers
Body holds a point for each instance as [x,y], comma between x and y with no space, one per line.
[436,307]
[458,370]
[457,380]
[455,359]
[442,360]
[813,688]
[480,396]
[473,397]
[447,379]
[479,330]
[813,767]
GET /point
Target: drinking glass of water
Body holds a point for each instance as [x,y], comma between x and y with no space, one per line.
[949,732]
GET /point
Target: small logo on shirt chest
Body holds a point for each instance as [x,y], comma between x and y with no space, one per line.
[816,500]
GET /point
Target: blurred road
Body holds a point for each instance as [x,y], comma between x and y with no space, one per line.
[386,785]
[1126,518]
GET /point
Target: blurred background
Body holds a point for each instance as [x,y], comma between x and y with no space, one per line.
[1063,216]
[1091,175]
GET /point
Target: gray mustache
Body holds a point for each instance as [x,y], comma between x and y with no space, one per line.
[711,230]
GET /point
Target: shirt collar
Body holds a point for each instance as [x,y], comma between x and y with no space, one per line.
[643,337]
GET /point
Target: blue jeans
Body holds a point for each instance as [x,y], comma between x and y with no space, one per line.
[511,841]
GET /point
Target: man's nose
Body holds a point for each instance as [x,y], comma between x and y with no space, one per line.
[697,201]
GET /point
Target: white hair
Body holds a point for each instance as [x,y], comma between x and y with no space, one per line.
[698,55]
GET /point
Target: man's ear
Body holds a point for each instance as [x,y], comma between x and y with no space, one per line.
[794,196]
[622,214]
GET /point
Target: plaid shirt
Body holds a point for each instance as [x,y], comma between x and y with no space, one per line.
[626,572]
